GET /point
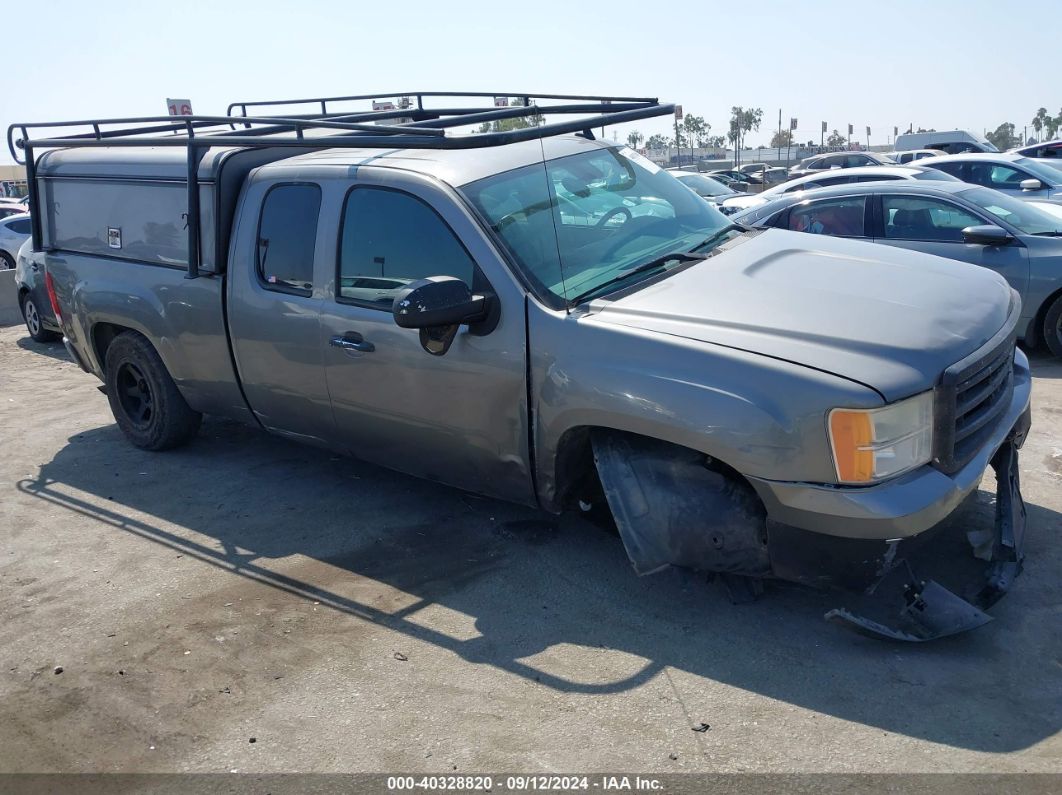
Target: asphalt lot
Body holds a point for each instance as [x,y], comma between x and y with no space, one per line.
[348,618]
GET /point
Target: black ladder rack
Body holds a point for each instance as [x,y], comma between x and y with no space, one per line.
[413,125]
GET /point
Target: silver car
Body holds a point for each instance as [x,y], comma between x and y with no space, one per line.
[1018,240]
[1011,173]
[825,179]
[14,231]
[33,300]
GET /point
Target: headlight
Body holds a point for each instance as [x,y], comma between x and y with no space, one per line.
[873,444]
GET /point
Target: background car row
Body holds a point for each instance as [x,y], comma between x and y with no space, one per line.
[1020,240]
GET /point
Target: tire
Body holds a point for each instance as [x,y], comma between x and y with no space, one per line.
[34,325]
[1052,328]
[6,262]
[145,402]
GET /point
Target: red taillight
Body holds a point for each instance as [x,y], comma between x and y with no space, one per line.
[50,286]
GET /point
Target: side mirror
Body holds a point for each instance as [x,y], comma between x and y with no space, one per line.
[987,235]
[438,306]
[1031,184]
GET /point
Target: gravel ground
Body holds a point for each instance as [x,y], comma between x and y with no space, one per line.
[248,604]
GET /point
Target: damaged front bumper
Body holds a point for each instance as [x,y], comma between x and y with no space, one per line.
[928,586]
[918,562]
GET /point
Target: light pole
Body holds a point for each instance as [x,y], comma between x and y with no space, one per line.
[778,156]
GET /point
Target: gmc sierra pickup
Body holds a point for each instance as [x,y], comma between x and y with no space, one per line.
[547,318]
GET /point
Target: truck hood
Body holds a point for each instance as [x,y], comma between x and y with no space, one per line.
[886,317]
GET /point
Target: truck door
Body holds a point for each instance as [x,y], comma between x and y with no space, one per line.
[460,418]
[274,305]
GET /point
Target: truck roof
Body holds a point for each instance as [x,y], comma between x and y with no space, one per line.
[454,166]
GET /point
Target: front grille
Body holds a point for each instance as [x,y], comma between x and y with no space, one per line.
[972,397]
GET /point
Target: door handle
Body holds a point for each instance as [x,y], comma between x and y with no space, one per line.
[35,266]
[352,341]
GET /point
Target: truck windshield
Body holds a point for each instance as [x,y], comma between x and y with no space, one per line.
[576,223]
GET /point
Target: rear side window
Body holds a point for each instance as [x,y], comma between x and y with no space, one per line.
[955,169]
[287,236]
[839,217]
[999,177]
[20,227]
[390,239]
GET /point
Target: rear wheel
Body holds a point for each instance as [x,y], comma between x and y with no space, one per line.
[1052,328]
[145,402]
[34,324]
[6,261]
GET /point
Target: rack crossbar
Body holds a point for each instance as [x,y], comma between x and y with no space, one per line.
[405,127]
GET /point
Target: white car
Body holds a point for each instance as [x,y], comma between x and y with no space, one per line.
[1053,208]
[14,231]
[911,155]
[839,176]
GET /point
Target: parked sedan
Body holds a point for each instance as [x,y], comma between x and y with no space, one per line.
[737,180]
[769,175]
[836,177]
[711,190]
[14,231]
[33,299]
[738,185]
[1007,172]
[832,160]
[1048,150]
[1017,239]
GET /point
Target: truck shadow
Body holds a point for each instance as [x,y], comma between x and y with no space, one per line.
[308,523]
[53,350]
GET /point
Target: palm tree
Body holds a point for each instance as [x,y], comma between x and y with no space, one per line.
[1039,122]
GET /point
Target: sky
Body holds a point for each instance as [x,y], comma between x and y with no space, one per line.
[968,65]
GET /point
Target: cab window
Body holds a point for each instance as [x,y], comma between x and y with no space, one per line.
[389,239]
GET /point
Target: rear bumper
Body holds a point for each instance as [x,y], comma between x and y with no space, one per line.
[903,507]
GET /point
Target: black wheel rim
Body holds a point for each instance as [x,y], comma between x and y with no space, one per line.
[134,395]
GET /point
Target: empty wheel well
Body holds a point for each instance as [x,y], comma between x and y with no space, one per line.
[576,473]
[103,335]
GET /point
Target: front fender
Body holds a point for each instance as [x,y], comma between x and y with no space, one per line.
[756,414]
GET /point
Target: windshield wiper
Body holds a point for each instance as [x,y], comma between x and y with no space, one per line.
[1056,233]
[653,264]
[718,233]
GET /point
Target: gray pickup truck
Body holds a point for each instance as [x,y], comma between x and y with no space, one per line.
[546,318]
